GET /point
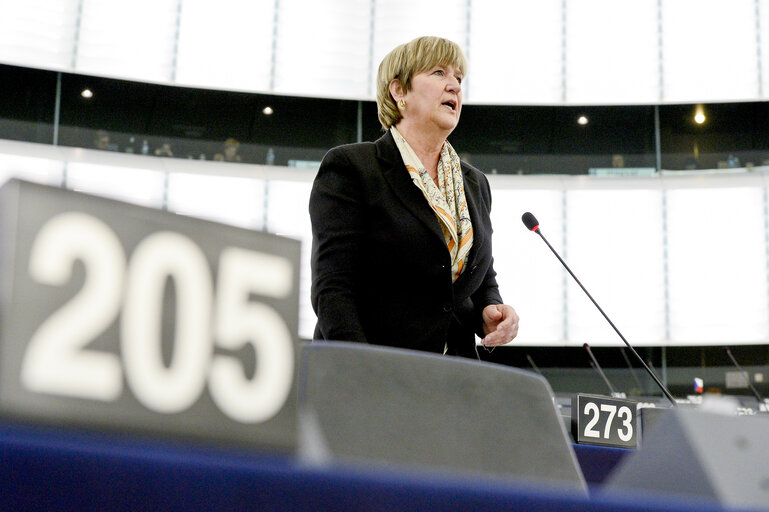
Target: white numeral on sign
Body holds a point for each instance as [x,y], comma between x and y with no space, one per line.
[625,432]
[592,409]
[240,321]
[612,410]
[158,257]
[627,421]
[57,361]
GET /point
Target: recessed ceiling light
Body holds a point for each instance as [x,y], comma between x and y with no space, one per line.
[699,114]
[87,93]
[267,111]
[582,120]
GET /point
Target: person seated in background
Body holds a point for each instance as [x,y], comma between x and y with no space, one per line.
[691,163]
[164,149]
[103,141]
[229,152]
[401,251]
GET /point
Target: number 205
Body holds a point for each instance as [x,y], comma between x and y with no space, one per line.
[57,361]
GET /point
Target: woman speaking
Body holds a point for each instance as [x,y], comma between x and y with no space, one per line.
[401,229]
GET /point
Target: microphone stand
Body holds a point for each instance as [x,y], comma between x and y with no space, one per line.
[533,365]
[597,367]
[632,371]
[535,228]
[747,375]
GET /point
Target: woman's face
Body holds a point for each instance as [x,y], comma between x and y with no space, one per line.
[434,101]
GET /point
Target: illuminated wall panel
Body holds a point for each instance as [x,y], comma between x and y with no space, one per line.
[529,276]
[288,215]
[612,56]
[236,201]
[709,50]
[226,44]
[557,52]
[38,170]
[678,259]
[717,266]
[322,48]
[139,186]
[515,52]
[38,33]
[615,248]
[135,39]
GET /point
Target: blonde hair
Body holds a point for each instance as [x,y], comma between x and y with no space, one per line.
[407,60]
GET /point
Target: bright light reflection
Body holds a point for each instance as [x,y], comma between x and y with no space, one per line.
[529,276]
[617,254]
[285,218]
[139,186]
[236,201]
[716,266]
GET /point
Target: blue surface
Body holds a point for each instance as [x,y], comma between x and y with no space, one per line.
[597,462]
[50,469]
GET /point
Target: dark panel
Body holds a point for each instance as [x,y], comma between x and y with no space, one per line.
[701,455]
[405,408]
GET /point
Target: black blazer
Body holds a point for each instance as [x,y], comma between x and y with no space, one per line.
[381,272]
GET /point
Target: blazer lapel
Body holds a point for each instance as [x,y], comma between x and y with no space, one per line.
[397,176]
[474,203]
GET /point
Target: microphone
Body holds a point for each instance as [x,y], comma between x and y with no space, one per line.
[752,388]
[530,221]
[594,364]
[632,370]
[533,365]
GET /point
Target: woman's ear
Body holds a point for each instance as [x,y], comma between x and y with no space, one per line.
[396,90]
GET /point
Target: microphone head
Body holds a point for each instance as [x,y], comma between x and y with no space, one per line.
[530,221]
[585,346]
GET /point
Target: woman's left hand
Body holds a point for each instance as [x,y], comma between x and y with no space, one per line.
[500,324]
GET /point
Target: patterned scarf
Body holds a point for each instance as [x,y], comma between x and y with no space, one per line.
[447,199]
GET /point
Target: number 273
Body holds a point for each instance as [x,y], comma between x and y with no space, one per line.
[625,432]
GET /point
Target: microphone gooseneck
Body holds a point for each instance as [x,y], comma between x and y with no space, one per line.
[752,388]
[594,364]
[533,365]
[632,370]
[532,224]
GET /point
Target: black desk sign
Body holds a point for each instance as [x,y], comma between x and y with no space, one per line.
[119,317]
[601,420]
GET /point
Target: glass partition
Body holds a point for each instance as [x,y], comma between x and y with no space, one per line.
[549,140]
[27,104]
[132,117]
[203,124]
[556,140]
[714,136]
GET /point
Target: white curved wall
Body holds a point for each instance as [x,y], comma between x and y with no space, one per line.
[521,52]
[678,258]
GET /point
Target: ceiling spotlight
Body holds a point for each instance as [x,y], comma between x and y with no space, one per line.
[582,120]
[699,115]
[267,111]
[87,93]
